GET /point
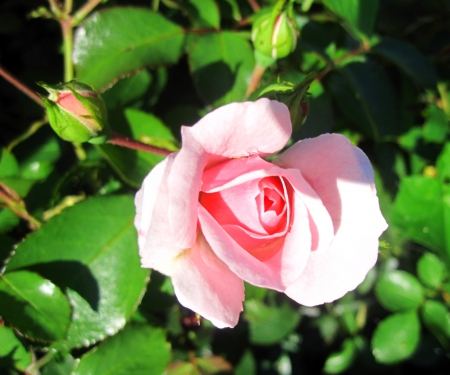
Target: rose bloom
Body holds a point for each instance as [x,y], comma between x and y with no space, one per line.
[216,214]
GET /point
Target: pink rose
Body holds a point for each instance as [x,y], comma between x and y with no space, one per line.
[216,213]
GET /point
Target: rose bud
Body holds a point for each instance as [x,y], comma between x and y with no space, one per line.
[274,34]
[294,96]
[76,112]
[216,213]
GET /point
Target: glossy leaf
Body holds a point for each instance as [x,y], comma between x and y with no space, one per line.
[121,40]
[409,60]
[399,290]
[12,351]
[137,350]
[436,318]
[340,361]
[366,96]
[360,14]
[221,66]
[396,337]
[95,259]
[34,305]
[430,270]
[269,324]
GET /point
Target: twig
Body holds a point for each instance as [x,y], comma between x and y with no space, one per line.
[257,74]
[255,6]
[120,140]
[15,82]
[84,11]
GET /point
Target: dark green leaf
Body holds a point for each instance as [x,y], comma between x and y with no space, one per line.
[396,337]
[436,318]
[34,305]
[340,361]
[367,98]
[8,220]
[137,350]
[112,43]
[221,65]
[12,352]
[430,270]
[360,14]
[399,290]
[90,250]
[269,324]
[408,59]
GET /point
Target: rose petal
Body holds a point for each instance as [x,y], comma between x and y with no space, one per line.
[204,284]
[342,177]
[230,131]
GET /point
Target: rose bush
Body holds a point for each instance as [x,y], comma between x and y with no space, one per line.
[216,213]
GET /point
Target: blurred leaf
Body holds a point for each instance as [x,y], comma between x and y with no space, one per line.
[8,164]
[181,368]
[425,226]
[269,324]
[120,40]
[246,365]
[12,351]
[328,327]
[90,250]
[59,366]
[340,361]
[396,337]
[204,13]
[8,220]
[34,305]
[436,125]
[127,90]
[437,319]
[137,350]
[399,290]
[360,14]
[430,270]
[409,60]
[443,164]
[211,365]
[221,65]
[367,98]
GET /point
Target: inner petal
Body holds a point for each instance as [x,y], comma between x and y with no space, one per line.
[271,203]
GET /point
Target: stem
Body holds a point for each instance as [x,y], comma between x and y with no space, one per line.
[33,369]
[79,151]
[35,126]
[84,11]
[55,7]
[67,32]
[255,6]
[68,5]
[120,140]
[155,5]
[255,80]
[15,82]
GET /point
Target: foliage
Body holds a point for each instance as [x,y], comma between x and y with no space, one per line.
[73,297]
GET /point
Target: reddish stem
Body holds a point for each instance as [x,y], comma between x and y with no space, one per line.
[120,140]
[255,6]
[15,82]
[257,74]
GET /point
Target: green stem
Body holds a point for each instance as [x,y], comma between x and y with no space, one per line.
[155,5]
[68,5]
[81,14]
[67,33]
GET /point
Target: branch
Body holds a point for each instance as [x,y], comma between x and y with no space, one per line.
[120,140]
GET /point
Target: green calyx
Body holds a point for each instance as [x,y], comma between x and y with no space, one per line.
[294,96]
[76,112]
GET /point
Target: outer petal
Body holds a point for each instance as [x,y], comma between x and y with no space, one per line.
[203,283]
[239,129]
[342,176]
[155,246]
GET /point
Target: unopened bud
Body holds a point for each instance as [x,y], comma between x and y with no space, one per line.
[76,112]
[274,34]
[294,96]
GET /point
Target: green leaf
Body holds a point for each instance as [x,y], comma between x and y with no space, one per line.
[399,290]
[437,319]
[396,337]
[8,220]
[8,164]
[214,365]
[12,352]
[443,164]
[221,66]
[204,13]
[91,251]
[430,270]
[246,365]
[436,125]
[359,14]
[340,361]
[112,43]
[409,60]
[137,350]
[59,365]
[269,324]
[34,305]
[425,226]
[366,97]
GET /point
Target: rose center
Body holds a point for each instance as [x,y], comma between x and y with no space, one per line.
[271,204]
